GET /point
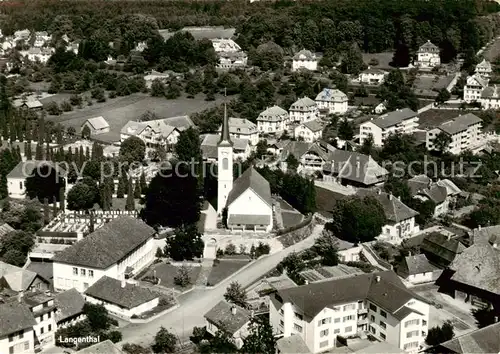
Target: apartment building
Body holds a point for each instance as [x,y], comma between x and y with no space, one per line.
[378,304]
[241,128]
[464,132]
[273,120]
[304,59]
[303,110]
[372,76]
[428,55]
[404,121]
[474,87]
[16,335]
[119,249]
[484,69]
[309,131]
[332,101]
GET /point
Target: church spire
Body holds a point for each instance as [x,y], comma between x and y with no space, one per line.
[225,137]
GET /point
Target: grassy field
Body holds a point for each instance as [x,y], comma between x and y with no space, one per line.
[383,58]
[167,272]
[291,219]
[120,110]
[325,201]
[224,268]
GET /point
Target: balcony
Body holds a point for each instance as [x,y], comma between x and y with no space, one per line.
[362,311]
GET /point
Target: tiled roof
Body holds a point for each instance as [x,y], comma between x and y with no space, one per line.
[18,279]
[403,312]
[98,122]
[110,290]
[221,315]
[451,188]
[442,246]
[210,142]
[292,344]
[69,303]
[428,47]
[14,317]
[43,269]
[314,125]
[484,340]
[106,347]
[107,245]
[304,54]
[484,65]
[395,210]
[388,292]
[423,185]
[417,264]
[459,124]
[5,229]
[240,126]
[250,179]
[331,95]
[24,169]
[248,219]
[486,235]
[161,126]
[477,79]
[273,114]
[491,92]
[478,266]
[392,118]
[303,104]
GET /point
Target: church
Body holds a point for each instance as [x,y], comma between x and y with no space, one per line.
[248,198]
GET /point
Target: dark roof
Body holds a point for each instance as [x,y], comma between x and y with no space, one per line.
[395,210]
[69,303]
[221,315]
[106,347]
[225,139]
[484,340]
[486,235]
[292,344]
[111,290]
[389,293]
[250,179]
[107,245]
[442,246]
[392,118]
[14,317]
[248,219]
[460,123]
[25,169]
[403,312]
[43,269]
[417,264]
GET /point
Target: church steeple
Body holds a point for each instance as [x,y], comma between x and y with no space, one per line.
[224,165]
[225,138]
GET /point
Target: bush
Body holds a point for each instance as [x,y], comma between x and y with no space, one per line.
[131,348]
[53,108]
[163,302]
[66,106]
[112,94]
[230,249]
[159,253]
[75,100]
[114,336]
[219,253]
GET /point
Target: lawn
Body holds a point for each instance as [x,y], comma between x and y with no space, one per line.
[325,201]
[167,272]
[285,206]
[429,85]
[383,58]
[291,219]
[223,268]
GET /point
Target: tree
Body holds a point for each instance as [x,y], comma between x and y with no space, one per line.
[236,295]
[186,244]
[15,246]
[157,88]
[199,333]
[188,146]
[132,150]
[164,342]
[346,130]
[443,96]
[86,132]
[81,197]
[44,182]
[293,264]
[137,189]
[52,108]
[292,163]
[183,277]
[425,210]
[97,316]
[142,183]
[397,93]
[441,142]
[261,149]
[368,146]
[485,317]
[130,203]
[357,219]
[326,246]
[131,348]
[122,186]
[75,100]
[399,188]
[438,335]
[98,94]
[260,339]
[353,61]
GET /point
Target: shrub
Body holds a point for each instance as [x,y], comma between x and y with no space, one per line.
[230,249]
[163,302]
[159,253]
[66,106]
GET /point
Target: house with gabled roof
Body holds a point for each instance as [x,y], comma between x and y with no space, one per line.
[241,148]
[305,59]
[16,328]
[332,101]
[490,97]
[423,188]
[416,269]
[441,249]
[69,306]
[104,347]
[242,128]
[484,69]
[378,304]
[18,279]
[303,110]
[485,340]
[400,217]
[309,131]
[372,76]
[96,125]
[119,249]
[273,120]
[474,87]
[428,56]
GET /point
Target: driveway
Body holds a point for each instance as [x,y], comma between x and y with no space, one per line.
[196,303]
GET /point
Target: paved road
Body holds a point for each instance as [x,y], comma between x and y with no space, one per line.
[196,303]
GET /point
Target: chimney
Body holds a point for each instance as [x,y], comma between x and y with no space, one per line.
[448,237]
[123,283]
[233,310]
[390,196]
[377,278]
[495,245]
[379,192]
[496,319]
[20,296]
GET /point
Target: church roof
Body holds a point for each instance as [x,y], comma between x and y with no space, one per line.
[225,139]
[250,179]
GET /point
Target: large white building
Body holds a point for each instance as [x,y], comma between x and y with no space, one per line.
[490,97]
[474,87]
[464,132]
[372,76]
[119,249]
[274,120]
[332,101]
[312,316]
[229,53]
[248,199]
[304,59]
[484,69]
[241,128]
[309,131]
[16,179]
[428,56]
[403,121]
[303,110]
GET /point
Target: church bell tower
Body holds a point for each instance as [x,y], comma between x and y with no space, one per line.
[224,165]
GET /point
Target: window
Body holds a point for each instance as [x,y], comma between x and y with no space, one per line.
[225,163]
[372,318]
[410,345]
[349,307]
[11,338]
[336,331]
[49,315]
[382,336]
[20,185]
[41,330]
[75,271]
[383,325]
[323,344]
[281,312]
[424,323]
[383,314]
[373,330]
[348,329]
[373,307]
[298,315]
[323,333]
[412,323]
[26,345]
[411,303]
[11,350]
[50,327]
[348,318]
[282,323]
[324,321]
[21,334]
[336,320]
[412,334]
[85,286]
[297,327]
[91,273]
[82,272]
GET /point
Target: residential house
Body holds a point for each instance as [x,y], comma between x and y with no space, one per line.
[232,60]
[400,217]
[474,87]
[241,128]
[18,279]
[441,249]
[313,315]
[29,103]
[484,69]
[309,131]
[22,35]
[464,133]
[222,45]
[41,55]
[329,273]
[404,121]
[372,76]
[241,148]
[428,56]
[16,328]
[104,347]
[474,276]
[97,125]
[417,269]
[230,318]
[258,293]
[490,97]
[121,298]
[274,120]
[423,189]
[16,179]
[304,59]
[485,340]
[332,101]
[154,75]
[275,147]
[69,306]
[486,235]
[119,249]
[303,110]
[41,38]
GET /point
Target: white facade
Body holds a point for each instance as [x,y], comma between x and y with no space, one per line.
[273,120]
[303,110]
[250,203]
[305,60]
[484,69]
[20,342]
[224,175]
[332,101]
[428,56]
[490,97]
[404,122]
[67,276]
[16,187]
[237,337]
[474,87]
[350,254]
[398,231]
[46,326]
[307,134]
[372,77]
[124,312]
[240,128]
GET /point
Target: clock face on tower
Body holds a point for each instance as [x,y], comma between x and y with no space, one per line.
[224,153]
